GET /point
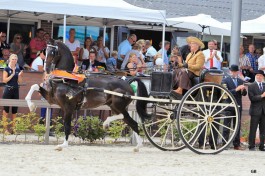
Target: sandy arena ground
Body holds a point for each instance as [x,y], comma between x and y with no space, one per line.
[120,160]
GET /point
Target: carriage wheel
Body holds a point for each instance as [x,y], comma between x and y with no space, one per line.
[161,130]
[203,118]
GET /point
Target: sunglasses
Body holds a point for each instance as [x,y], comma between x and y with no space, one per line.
[3,36]
[19,38]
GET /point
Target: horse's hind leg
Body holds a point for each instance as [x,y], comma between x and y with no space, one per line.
[31,105]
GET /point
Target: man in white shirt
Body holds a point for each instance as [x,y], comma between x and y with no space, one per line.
[150,53]
[37,64]
[213,58]
[73,44]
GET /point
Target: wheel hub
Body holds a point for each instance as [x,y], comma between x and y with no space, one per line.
[210,119]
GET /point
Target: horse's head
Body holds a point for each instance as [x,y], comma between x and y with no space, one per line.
[58,56]
[52,57]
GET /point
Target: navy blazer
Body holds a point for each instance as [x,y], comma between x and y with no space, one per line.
[232,88]
[257,106]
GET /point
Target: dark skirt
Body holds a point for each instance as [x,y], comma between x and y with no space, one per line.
[183,78]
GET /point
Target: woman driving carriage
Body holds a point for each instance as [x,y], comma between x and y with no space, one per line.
[190,69]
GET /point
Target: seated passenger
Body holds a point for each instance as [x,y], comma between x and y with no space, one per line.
[189,69]
[132,66]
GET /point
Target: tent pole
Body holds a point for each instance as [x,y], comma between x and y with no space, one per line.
[235,32]
[104,34]
[112,38]
[163,40]
[64,28]
[8,30]
[221,44]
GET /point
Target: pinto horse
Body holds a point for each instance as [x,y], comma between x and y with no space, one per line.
[58,91]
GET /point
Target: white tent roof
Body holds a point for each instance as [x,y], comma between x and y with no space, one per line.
[199,23]
[102,10]
[252,26]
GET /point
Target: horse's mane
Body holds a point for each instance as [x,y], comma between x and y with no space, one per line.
[66,60]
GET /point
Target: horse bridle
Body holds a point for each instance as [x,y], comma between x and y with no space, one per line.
[54,53]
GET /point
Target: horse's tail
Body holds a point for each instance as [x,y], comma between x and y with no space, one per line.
[140,104]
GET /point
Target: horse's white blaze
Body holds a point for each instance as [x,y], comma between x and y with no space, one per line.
[110,119]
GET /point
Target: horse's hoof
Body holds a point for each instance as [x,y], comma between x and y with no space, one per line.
[32,107]
[59,148]
[136,150]
[105,126]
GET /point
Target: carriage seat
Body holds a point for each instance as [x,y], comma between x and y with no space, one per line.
[211,75]
[72,76]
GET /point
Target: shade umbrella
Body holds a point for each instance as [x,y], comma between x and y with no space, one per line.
[201,23]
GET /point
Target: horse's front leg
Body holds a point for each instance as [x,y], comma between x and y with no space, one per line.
[31,105]
[67,131]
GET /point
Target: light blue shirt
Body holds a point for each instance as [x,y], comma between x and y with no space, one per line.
[166,61]
[124,48]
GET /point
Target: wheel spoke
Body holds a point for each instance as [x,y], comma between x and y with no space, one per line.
[223,126]
[205,135]
[220,134]
[221,110]
[199,134]
[203,100]
[217,103]
[211,130]
[153,123]
[164,115]
[172,135]
[211,101]
[192,112]
[159,129]
[188,131]
[224,117]
[164,138]
[197,105]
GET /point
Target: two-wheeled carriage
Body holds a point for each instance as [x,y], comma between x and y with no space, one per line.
[197,120]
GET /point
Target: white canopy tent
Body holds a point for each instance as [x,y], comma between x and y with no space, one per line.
[251,26]
[92,12]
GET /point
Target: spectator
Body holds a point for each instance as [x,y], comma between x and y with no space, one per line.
[112,62]
[12,76]
[256,96]
[258,52]
[37,64]
[73,44]
[184,51]
[102,51]
[133,65]
[5,56]
[213,57]
[142,50]
[36,44]
[166,48]
[236,86]
[92,63]
[261,61]
[252,57]
[244,64]
[136,50]
[124,47]
[84,52]
[47,37]
[19,48]
[3,44]
[150,53]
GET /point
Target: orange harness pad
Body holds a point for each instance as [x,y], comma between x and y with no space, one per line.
[64,74]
